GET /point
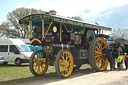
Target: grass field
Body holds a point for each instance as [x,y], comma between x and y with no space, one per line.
[11,74]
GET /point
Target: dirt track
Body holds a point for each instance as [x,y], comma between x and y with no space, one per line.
[85,77]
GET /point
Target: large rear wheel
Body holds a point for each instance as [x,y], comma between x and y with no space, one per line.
[97,57]
[64,63]
[38,63]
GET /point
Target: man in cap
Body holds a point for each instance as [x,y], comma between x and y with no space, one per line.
[110,58]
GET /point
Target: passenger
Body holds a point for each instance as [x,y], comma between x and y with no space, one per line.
[126,61]
[110,58]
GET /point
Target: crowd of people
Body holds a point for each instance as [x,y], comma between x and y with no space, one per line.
[119,55]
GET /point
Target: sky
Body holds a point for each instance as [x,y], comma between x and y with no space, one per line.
[110,13]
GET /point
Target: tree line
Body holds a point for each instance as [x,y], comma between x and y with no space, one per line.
[119,33]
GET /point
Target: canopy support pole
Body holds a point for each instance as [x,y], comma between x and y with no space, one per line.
[30,26]
[60,32]
[66,28]
[42,28]
[48,28]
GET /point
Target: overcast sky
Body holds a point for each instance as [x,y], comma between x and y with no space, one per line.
[111,13]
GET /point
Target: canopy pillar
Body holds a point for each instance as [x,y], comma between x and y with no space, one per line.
[42,28]
[60,32]
[30,27]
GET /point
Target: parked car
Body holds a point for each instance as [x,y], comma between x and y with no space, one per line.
[14,50]
[1,59]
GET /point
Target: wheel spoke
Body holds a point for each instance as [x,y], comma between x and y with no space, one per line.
[62,57]
[98,44]
[97,48]
[61,63]
[97,63]
[102,59]
[43,68]
[67,58]
[35,67]
[97,52]
[66,71]
[39,69]
[97,59]
[62,69]
[101,44]
[103,47]
[97,56]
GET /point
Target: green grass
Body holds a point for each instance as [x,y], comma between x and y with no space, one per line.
[11,74]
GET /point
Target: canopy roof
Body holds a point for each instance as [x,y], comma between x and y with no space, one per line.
[37,21]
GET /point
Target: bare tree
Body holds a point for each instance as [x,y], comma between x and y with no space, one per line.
[12,28]
[119,33]
[77,18]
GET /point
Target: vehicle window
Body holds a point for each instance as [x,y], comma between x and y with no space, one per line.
[22,48]
[12,48]
[3,48]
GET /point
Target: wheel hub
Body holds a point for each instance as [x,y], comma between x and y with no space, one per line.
[65,64]
[100,53]
[38,63]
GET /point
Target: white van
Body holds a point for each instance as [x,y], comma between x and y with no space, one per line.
[14,50]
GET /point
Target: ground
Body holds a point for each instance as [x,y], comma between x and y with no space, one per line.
[86,77]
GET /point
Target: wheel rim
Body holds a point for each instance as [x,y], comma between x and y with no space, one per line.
[18,61]
[66,64]
[40,64]
[100,56]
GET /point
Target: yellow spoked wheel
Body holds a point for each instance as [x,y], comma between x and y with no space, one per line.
[38,63]
[97,57]
[64,63]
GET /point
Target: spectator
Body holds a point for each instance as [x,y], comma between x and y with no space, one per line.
[113,53]
[110,58]
[120,62]
[127,49]
[123,49]
[126,60]
[119,51]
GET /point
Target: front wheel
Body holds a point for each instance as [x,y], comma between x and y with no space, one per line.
[18,62]
[64,63]
[38,63]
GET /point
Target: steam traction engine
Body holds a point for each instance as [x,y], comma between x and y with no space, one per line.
[66,44]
